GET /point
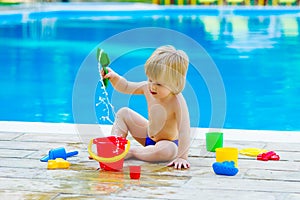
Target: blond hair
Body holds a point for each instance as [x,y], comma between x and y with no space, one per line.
[168,66]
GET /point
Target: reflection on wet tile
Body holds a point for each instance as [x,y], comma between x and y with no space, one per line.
[25,177]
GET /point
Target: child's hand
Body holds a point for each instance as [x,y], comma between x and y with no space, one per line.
[107,75]
[179,163]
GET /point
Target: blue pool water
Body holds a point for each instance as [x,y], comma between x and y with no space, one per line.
[253,52]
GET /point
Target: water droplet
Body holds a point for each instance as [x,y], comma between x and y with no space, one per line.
[104,100]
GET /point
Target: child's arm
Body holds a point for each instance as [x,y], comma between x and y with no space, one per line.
[122,85]
[183,122]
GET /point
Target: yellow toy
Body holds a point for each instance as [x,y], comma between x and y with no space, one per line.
[253,152]
[58,163]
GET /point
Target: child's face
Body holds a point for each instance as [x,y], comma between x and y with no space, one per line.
[158,90]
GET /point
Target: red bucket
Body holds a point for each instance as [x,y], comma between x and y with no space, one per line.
[111,152]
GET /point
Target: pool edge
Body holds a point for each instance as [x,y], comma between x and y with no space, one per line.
[196,133]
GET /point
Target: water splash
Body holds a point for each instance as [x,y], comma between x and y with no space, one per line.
[108,109]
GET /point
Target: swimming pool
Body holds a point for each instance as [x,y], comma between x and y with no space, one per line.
[255,52]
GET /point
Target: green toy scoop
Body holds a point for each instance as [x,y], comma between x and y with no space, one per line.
[103,59]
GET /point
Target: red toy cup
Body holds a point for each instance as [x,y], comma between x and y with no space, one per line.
[135,172]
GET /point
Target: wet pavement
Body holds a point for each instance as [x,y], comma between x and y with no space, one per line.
[23,176]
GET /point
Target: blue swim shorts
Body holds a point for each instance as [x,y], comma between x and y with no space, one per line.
[149,141]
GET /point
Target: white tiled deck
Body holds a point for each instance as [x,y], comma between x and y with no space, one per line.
[23,176]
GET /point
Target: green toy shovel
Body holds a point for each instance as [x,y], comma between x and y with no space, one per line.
[103,59]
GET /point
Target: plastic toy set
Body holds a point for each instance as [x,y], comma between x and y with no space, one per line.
[227,157]
[56,158]
[225,168]
[227,161]
[271,155]
[58,163]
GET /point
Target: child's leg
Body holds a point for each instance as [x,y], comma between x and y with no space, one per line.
[128,120]
[163,150]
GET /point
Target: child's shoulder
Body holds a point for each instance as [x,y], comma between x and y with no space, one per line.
[179,98]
